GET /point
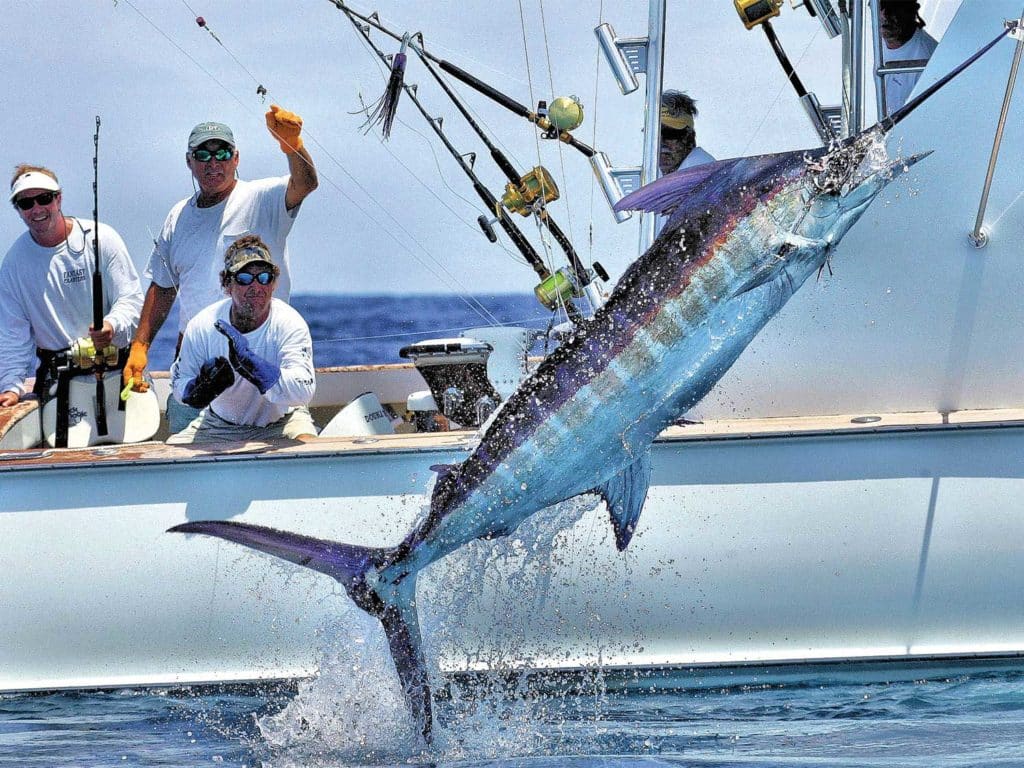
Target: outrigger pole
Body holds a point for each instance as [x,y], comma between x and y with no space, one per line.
[542,121]
[522,244]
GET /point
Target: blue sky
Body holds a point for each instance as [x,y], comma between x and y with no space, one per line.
[387,218]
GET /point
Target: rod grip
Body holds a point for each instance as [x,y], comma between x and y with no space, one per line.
[479,85]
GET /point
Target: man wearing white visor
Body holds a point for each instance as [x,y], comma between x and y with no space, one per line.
[46,298]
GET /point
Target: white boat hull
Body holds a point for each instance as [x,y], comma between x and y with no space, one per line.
[788,545]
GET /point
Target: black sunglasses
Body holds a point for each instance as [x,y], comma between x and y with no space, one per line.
[205,155]
[43,198]
[245,278]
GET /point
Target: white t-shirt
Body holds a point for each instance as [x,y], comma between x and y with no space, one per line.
[46,297]
[697,156]
[283,339]
[189,254]
[898,88]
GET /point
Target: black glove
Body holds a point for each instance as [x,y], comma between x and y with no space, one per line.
[215,375]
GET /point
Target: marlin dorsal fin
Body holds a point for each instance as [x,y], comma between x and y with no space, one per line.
[625,494]
[663,195]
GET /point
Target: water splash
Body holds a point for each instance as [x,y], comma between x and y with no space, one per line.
[352,712]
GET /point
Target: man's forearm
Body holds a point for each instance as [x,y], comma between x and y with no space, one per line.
[303,177]
[155,309]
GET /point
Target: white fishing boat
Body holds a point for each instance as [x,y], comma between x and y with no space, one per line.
[846,502]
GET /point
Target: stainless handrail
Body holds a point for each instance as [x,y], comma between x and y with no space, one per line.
[978,237]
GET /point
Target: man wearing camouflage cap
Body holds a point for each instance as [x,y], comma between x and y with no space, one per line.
[246,362]
[187,256]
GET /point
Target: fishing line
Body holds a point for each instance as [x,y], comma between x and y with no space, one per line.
[518,258]
[593,138]
[260,90]
[529,73]
[451,281]
[778,95]
[561,157]
[509,324]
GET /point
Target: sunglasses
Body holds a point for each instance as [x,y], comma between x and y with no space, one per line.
[44,199]
[205,155]
[245,278]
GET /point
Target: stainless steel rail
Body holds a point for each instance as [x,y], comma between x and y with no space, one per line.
[978,237]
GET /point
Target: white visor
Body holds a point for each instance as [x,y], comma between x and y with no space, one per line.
[33,180]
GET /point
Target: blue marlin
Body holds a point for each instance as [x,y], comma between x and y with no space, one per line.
[741,237]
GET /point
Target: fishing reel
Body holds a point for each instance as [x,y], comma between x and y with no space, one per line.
[562,286]
[557,289]
[564,115]
[83,354]
[754,12]
[535,189]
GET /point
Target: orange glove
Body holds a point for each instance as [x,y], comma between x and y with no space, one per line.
[285,126]
[138,356]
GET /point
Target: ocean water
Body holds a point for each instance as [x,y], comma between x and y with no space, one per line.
[964,722]
[355,330]
[346,719]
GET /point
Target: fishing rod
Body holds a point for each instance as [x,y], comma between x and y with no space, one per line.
[526,194]
[836,168]
[553,122]
[886,124]
[97,278]
[83,354]
[522,244]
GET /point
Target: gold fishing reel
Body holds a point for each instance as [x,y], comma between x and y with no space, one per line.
[83,354]
[535,186]
[754,12]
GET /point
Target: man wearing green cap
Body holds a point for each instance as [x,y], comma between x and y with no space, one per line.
[186,258]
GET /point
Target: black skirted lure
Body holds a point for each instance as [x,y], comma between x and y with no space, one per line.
[386,106]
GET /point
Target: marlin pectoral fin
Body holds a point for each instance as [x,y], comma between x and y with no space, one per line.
[443,470]
[625,495]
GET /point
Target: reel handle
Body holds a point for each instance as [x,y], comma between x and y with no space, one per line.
[487,226]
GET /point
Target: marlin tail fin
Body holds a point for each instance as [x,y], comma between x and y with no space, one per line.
[355,569]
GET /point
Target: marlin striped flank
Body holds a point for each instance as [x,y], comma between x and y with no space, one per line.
[742,236]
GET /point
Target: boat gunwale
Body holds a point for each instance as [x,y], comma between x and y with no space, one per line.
[154,453]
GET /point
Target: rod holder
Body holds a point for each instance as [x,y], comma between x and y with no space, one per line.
[825,12]
[627,56]
[615,183]
[822,125]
